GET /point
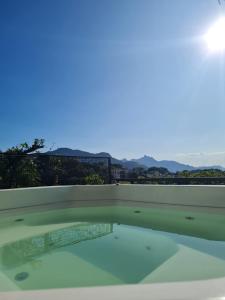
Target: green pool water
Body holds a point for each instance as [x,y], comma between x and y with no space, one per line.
[109,246]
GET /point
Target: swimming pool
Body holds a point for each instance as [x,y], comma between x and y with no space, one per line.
[91,238]
[81,247]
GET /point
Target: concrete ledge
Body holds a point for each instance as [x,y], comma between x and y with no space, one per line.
[207,198]
[197,290]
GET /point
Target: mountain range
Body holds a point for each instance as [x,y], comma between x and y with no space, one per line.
[145,161]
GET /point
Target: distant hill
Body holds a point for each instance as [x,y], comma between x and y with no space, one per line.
[70,152]
[145,161]
[172,166]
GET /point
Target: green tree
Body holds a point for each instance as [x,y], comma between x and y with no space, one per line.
[94,179]
[17,167]
[158,171]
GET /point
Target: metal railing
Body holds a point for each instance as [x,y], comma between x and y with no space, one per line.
[87,159]
[174,180]
[43,170]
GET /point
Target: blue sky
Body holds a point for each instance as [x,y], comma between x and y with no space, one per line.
[129,77]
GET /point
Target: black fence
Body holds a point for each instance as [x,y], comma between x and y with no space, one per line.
[175,180]
[47,170]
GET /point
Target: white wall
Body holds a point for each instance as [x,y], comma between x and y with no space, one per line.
[201,198]
[210,198]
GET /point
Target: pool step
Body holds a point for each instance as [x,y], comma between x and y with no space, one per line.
[187,265]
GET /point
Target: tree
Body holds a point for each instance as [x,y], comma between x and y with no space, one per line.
[17,167]
[94,179]
[158,171]
[24,148]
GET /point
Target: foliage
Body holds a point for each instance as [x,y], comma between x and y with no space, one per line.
[158,171]
[201,173]
[94,179]
[15,169]
[201,176]
[24,148]
[24,166]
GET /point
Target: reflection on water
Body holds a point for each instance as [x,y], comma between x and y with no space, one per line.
[19,252]
[86,254]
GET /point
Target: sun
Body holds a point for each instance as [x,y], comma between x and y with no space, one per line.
[215,37]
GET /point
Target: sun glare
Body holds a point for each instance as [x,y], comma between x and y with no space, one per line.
[215,37]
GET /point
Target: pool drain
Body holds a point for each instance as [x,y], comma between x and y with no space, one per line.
[19,220]
[21,276]
[148,247]
[189,218]
[137,211]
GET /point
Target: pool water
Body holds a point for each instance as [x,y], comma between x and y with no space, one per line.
[107,246]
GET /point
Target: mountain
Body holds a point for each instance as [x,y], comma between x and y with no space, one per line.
[172,166]
[130,164]
[145,161]
[69,152]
